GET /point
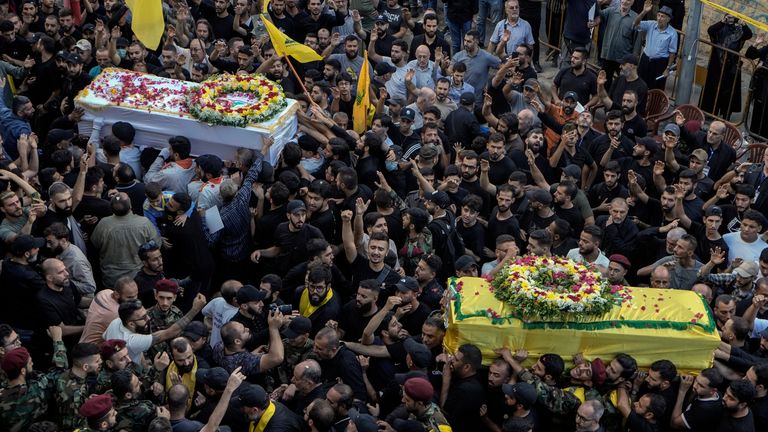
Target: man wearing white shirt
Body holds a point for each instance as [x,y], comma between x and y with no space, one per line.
[747,243]
[221,309]
[589,251]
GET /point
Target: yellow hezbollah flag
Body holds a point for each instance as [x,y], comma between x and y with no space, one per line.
[265,6]
[363,99]
[147,22]
[285,45]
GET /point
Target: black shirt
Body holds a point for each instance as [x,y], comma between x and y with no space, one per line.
[731,424]
[498,227]
[267,224]
[462,407]
[703,415]
[572,216]
[413,320]
[56,307]
[344,365]
[499,170]
[19,285]
[146,284]
[474,237]
[635,423]
[352,321]
[585,85]
[222,27]
[361,270]
[620,85]
[635,128]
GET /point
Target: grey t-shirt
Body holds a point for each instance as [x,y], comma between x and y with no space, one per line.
[681,277]
[8,228]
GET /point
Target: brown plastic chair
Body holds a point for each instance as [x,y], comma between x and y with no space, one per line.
[733,136]
[754,152]
[690,112]
[656,106]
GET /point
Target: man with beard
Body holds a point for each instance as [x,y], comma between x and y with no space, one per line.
[614,140]
[164,313]
[17,219]
[743,194]
[337,361]
[297,346]
[114,355]
[282,19]
[132,326]
[619,230]
[72,388]
[628,80]
[173,168]
[250,301]
[410,312]
[58,303]
[576,79]
[586,133]
[462,393]
[479,62]
[20,284]
[150,273]
[381,39]
[692,204]
[104,307]
[290,238]
[431,38]
[684,267]
[738,417]
[372,266]
[601,194]
[493,412]
[639,162]
[317,300]
[469,163]
[758,376]
[350,61]
[540,213]
[321,252]
[589,247]
[569,153]
[721,155]
[232,354]
[747,244]
[222,21]
[313,19]
[319,211]
[398,58]
[183,368]
[442,102]
[51,27]
[356,314]
[500,165]
[564,194]
[14,120]
[133,412]
[554,116]
[661,380]
[66,24]
[705,409]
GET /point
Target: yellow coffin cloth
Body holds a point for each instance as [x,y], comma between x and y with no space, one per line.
[654,324]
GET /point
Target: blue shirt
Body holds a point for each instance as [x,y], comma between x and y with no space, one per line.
[658,44]
[478,67]
[11,128]
[519,33]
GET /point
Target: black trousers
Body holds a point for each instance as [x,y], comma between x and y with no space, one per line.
[651,69]
[531,12]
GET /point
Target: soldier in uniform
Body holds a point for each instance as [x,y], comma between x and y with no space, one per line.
[114,355]
[75,385]
[133,412]
[297,347]
[28,393]
[163,314]
[417,399]
[98,413]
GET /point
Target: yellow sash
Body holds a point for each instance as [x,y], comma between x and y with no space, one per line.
[306,308]
[578,392]
[187,379]
[264,420]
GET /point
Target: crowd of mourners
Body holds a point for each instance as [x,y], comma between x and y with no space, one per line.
[318,304]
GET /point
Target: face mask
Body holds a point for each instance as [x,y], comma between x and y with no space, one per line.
[122,52]
[391,165]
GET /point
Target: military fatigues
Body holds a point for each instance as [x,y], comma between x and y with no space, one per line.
[293,356]
[22,405]
[160,320]
[148,376]
[134,415]
[432,418]
[71,392]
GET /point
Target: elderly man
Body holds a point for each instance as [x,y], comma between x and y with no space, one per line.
[511,32]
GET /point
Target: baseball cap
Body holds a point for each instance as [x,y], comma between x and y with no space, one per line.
[363,422]
[408,113]
[531,83]
[298,326]
[572,95]
[296,206]
[249,293]
[541,196]
[524,393]
[649,143]
[395,100]
[83,44]
[713,211]
[700,154]
[465,262]
[25,243]
[253,395]
[382,18]
[420,354]
[215,378]
[194,331]
[74,58]
[384,68]
[675,129]
[573,171]
[467,98]
[631,59]
[621,259]
[89,27]
[420,389]
[428,152]
[747,269]
[407,284]
[440,198]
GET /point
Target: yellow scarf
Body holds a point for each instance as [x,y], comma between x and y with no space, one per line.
[264,420]
[187,379]
[306,308]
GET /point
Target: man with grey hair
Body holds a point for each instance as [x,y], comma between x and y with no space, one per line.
[306,386]
[588,416]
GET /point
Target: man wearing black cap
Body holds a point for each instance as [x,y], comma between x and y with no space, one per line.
[521,398]
[461,125]
[213,382]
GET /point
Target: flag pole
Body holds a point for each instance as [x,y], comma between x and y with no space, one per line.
[298,78]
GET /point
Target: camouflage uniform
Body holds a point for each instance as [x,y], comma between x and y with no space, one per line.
[432,418]
[293,356]
[71,392]
[22,405]
[414,250]
[160,320]
[134,415]
[147,377]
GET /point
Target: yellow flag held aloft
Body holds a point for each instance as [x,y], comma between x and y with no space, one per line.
[147,21]
[265,6]
[362,99]
[287,46]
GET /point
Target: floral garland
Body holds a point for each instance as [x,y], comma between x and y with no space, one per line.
[549,288]
[236,100]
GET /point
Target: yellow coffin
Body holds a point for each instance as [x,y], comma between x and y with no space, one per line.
[654,324]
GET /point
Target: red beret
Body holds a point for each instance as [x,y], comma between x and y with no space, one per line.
[419,389]
[15,360]
[109,347]
[167,285]
[621,259]
[598,372]
[96,407]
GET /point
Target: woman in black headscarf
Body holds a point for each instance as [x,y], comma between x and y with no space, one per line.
[759,87]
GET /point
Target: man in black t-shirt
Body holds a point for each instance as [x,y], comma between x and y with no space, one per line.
[705,410]
[356,313]
[738,416]
[372,267]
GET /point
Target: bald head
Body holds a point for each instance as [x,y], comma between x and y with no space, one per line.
[716,132]
[660,277]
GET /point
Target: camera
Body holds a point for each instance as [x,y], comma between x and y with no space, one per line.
[285,309]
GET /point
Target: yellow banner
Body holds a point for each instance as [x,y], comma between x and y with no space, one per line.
[147,21]
[287,46]
[747,19]
[654,324]
[362,98]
